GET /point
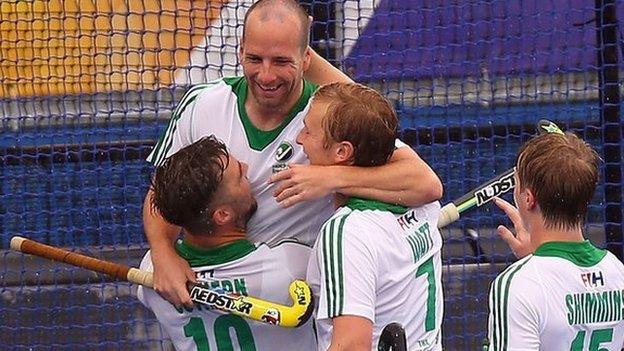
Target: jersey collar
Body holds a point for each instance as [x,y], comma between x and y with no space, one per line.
[356,203]
[211,257]
[582,254]
[259,139]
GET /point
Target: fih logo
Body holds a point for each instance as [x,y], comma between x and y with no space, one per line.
[283,153]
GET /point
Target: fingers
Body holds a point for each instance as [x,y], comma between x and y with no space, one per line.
[293,200]
[279,176]
[190,275]
[285,194]
[510,211]
[281,188]
[185,298]
[170,282]
[507,236]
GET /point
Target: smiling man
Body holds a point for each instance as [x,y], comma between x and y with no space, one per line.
[258,116]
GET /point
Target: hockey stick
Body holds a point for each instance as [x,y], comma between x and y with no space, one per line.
[492,188]
[244,306]
[392,338]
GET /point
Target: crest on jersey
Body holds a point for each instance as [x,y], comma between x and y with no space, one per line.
[283,153]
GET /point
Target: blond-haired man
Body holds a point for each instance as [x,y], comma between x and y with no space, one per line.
[374,262]
[567,294]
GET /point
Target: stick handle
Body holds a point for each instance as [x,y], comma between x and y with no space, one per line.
[117,270]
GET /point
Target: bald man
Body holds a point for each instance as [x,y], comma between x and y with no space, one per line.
[258,116]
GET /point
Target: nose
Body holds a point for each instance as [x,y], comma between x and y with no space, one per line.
[266,74]
[299,139]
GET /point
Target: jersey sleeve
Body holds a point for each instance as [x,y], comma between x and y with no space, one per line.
[513,322]
[178,133]
[347,271]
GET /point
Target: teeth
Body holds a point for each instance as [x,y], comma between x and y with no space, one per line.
[269,88]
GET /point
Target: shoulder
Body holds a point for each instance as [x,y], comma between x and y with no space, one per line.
[288,249]
[286,245]
[518,277]
[209,92]
[515,296]
[348,232]
[288,258]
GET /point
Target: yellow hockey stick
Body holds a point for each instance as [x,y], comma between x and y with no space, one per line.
[223,300]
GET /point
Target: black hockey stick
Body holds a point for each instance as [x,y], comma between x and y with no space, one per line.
[392,338]
[485,192]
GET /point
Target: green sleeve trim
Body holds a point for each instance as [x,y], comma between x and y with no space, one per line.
[165,142]
[332,252]
[210,257]
[582,254]
[500,298]
[259,139]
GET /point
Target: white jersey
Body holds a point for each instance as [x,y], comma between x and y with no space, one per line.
[381,262]
[218,108]
[566,296]
[260,271]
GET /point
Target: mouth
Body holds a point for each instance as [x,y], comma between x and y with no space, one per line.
[269,89]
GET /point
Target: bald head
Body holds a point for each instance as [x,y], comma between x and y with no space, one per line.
[282,11]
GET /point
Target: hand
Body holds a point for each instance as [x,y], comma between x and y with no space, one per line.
[171,273]
[520,244]
[302,183]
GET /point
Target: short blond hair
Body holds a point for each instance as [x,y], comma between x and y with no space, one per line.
[361,116]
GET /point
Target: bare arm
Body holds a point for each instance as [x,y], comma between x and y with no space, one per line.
[406,179]
[171,272]
[351,333]
[322,72]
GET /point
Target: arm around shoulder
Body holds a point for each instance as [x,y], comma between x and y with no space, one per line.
[322,72]
[171,272]
[406,180]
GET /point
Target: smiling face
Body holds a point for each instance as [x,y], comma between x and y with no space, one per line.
[312,136]
[273,59]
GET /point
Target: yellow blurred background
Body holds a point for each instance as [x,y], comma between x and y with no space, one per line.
[50,47]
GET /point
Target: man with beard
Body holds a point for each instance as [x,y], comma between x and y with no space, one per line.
[204,189]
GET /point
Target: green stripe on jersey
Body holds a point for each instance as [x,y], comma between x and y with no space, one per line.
[332,249]
[166,140]
[500,296]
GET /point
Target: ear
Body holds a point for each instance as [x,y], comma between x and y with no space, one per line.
[223,215]
[307,57]
[241,50]
[343,152]
[529,199]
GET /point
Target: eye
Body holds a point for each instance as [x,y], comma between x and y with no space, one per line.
[282,62]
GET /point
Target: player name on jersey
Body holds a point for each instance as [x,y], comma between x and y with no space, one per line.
[420,241]
[595,307]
